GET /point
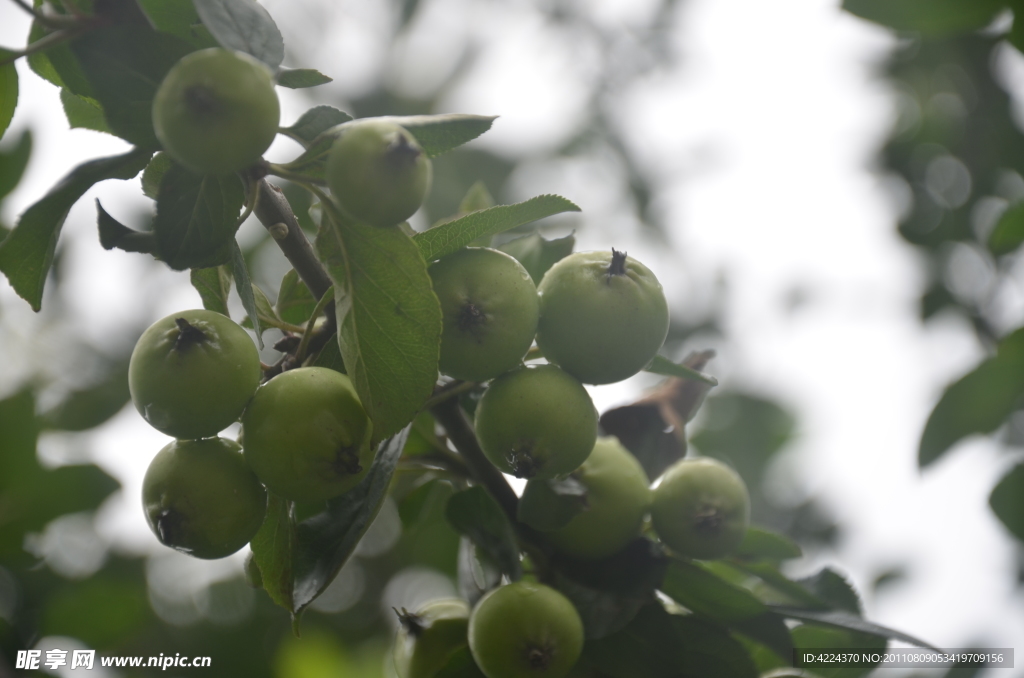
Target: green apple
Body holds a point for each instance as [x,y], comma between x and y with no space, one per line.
[306,435]
[490,308]
[701,508]
[216,111]
[525,630]
[536,422]
[192,373]
[377,172]
[603,316]
[618,497]
[201,499]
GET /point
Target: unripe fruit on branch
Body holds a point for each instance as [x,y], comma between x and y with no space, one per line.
[430,636]
[216,111]
[603,316]
[200,498]
[490,308]
[701,508]
[306,435]
[377,172]
[525,630]
[192,373]
[536,422]
[618,497]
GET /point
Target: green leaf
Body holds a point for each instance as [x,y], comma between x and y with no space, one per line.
[295,303]
[602,612]
[548,505]
[27,253]
[328,539]
[99,611]
[58,64]
[664,366]
[214,286]
[83,112]
[265,312]
[315,122]
[761,543]
[847,621]
[125,65]
[389,319]
[1009,231]
[244,287]
[273,549]
[643,431]
[179,18]
[770,575]
[816,638]
[659,645]
[115,234]
[453,235]
[330,357]
[477,198]
[300,78]
[833,588]
[244,26]
[476,574]
[196,218]
[1007,501]
[700,591]
[31,495]
[439,134]
[538,254]
[154,174]
[8,91]
[87,408]
[475,514]
[978,402]
[13,163]
[930,17]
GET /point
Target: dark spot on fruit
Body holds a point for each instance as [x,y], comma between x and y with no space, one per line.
[188,335]
[201,100]
[346,461]
[618,264]
[538,657]
[400,152]
[708,521]
[170,527]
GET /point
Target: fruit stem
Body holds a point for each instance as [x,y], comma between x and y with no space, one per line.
[618,265]
[460,431]
[449,391]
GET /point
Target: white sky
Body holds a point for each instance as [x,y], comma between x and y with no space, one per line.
[765,137]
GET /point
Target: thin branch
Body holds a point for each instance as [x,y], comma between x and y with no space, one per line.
[48,21]
[449,391]
[460,432]
[307,336]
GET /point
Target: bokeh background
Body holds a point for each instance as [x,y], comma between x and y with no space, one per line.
[813,191]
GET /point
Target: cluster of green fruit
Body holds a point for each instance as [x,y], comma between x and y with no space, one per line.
[306,435]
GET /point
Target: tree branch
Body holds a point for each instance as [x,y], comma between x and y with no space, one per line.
[460,431]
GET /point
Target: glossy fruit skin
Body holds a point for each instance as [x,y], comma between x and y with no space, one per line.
[200,498]
[525,630]
[193,383]
[618,498]
[306,435]
[490,309]
[430,636]
[536,422]
[377,172]
[216,111]
[600,325]
[701,509]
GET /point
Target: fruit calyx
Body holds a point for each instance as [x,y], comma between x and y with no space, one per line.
[346,460]
[618,263]
[539,656]
[708,520]
[188,335]
[471,317]
[521,462]
[201,100]
[412,623]
[400,152]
